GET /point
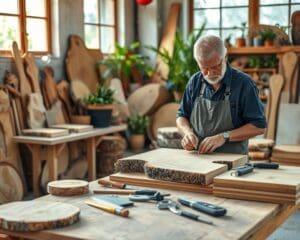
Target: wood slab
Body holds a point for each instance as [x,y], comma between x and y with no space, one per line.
[177,165]
[139,179]
[70,187]
[147,99]
[11,184]
[32,72]
[257,143]
[79,90]
[36,111]
[45,132]
[63,91]
[81,66]
[49,86]
[74,128]
[34,215]
[289,149]
[55,115]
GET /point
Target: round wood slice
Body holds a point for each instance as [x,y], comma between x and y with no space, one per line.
[165,116]
[255,143]
[68,187]
[147,99]
[287,148]
[37,215]
[11,184]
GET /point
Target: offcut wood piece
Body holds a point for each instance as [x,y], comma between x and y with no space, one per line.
[165,116]
[286,154]
[55,115]
[260,143]
[180,166]
[36,111]
[289,65]
[4,101]
[68,187]
[11,184]
[74,128]
[32,72]
[259,155]
[167,41]
[45,132]
[271,185]
[35,215]
[63,91]
[49,85]
[80,64]
[79,90]
[147,99]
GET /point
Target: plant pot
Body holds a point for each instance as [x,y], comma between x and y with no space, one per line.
[240,42]
[268,43]
[101,115]
[177,95]
[137,142]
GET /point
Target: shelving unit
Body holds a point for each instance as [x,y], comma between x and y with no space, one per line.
[262,50]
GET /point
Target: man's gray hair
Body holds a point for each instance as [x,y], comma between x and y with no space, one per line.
[207,46]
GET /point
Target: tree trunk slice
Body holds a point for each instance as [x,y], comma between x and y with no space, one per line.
[11,184]
[36,215]
[80,64]
[147,99]
[32,72]
[177,165]
[50,86]
[70,187]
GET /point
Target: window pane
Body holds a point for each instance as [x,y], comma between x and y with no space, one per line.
[232,17]
[295,1]
[9,31]
[227,3]
[91,36]
[274,15]
[211,32]
[206,3]
[211,16]
[107,39]
[91,11]
[273,1]
[36,8]
[10,6]
[36,35]
[229,33]
[107,12]
[295,8]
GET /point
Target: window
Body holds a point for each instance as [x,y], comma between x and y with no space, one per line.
[100,24]
[28,23]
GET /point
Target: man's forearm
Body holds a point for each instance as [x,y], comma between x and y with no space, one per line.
[183,125]
[245,132]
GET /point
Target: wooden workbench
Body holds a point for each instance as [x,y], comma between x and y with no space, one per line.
[244,220]
[51,147]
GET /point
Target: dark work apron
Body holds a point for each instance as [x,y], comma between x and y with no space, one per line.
[209,118]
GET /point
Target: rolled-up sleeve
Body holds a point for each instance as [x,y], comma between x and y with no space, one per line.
[252,107]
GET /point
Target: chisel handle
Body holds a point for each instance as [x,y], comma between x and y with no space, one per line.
[114,210]
[108,183]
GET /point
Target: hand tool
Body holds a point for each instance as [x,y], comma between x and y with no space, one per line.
[126,192]
[145,198]
[210,209]
[240,171]
[175,208]
[109,208]
[112,184]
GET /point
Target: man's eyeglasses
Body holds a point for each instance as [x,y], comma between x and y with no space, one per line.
[213,68]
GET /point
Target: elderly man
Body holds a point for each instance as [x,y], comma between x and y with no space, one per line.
[220,109]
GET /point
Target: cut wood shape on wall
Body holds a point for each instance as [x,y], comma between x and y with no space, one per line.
[49,87]
[63,91]
[80,64]
[267,185]
[180,166]
[32,72]
[147,99]
[36,111]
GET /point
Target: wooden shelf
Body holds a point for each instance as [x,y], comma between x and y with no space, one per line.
[273,70]
[262,50]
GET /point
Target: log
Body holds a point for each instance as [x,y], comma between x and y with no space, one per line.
[70,187]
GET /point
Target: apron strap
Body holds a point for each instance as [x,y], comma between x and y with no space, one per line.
[227,92]
[203,86]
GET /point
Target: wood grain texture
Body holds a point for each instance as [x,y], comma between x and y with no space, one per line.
[63,91]
[81,66]
[50,86]
[79,90]
[147,99]
[32,72]
[74,128]
[55,114]
[255,143]
[179,165]
[33,215]
[68,187]
[36,111]
[45,132]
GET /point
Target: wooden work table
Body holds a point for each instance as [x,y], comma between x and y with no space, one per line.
[244,220]
[51,147]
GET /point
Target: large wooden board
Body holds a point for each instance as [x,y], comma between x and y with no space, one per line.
[49,85]
[45,132]
[180,166]
[32,72]
[37,215]
[74,128]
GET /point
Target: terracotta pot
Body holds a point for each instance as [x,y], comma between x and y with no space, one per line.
[240,42]
[137,142]
[177,95]
[268,43]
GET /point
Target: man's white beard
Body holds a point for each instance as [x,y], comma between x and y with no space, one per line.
[219,78]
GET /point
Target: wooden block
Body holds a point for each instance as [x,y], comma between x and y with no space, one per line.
[45,132]
[255,143]
[36,215]
[69,187]
[74,128]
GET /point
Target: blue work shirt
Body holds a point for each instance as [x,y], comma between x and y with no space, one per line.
[245,104]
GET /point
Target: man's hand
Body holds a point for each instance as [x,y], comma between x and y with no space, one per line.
[210,144]
[189,141]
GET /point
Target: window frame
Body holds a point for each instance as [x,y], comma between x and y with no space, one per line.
[99,24]
[22,25]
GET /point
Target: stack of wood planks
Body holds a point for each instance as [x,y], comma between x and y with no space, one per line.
[286,154]
[260,149]
[267,185]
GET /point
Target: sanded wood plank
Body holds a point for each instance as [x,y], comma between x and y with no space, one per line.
[74,128]
[45,132]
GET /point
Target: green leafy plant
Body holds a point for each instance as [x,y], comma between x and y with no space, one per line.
[267,34]
[103,95]
[181,63]
[137,124]
[242,28]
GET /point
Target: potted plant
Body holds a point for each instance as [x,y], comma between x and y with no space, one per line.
[268,37]
[126,65]
[181,63]
[99,106]
[137,125]
[241,41]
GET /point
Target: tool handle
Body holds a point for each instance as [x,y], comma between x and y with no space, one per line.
[118,211]
[148,192]
[108,183]
[266,165]
[189,215]
[243,170]
[113,191]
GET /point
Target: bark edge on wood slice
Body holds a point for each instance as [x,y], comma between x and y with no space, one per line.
[69,187]
[29,216]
